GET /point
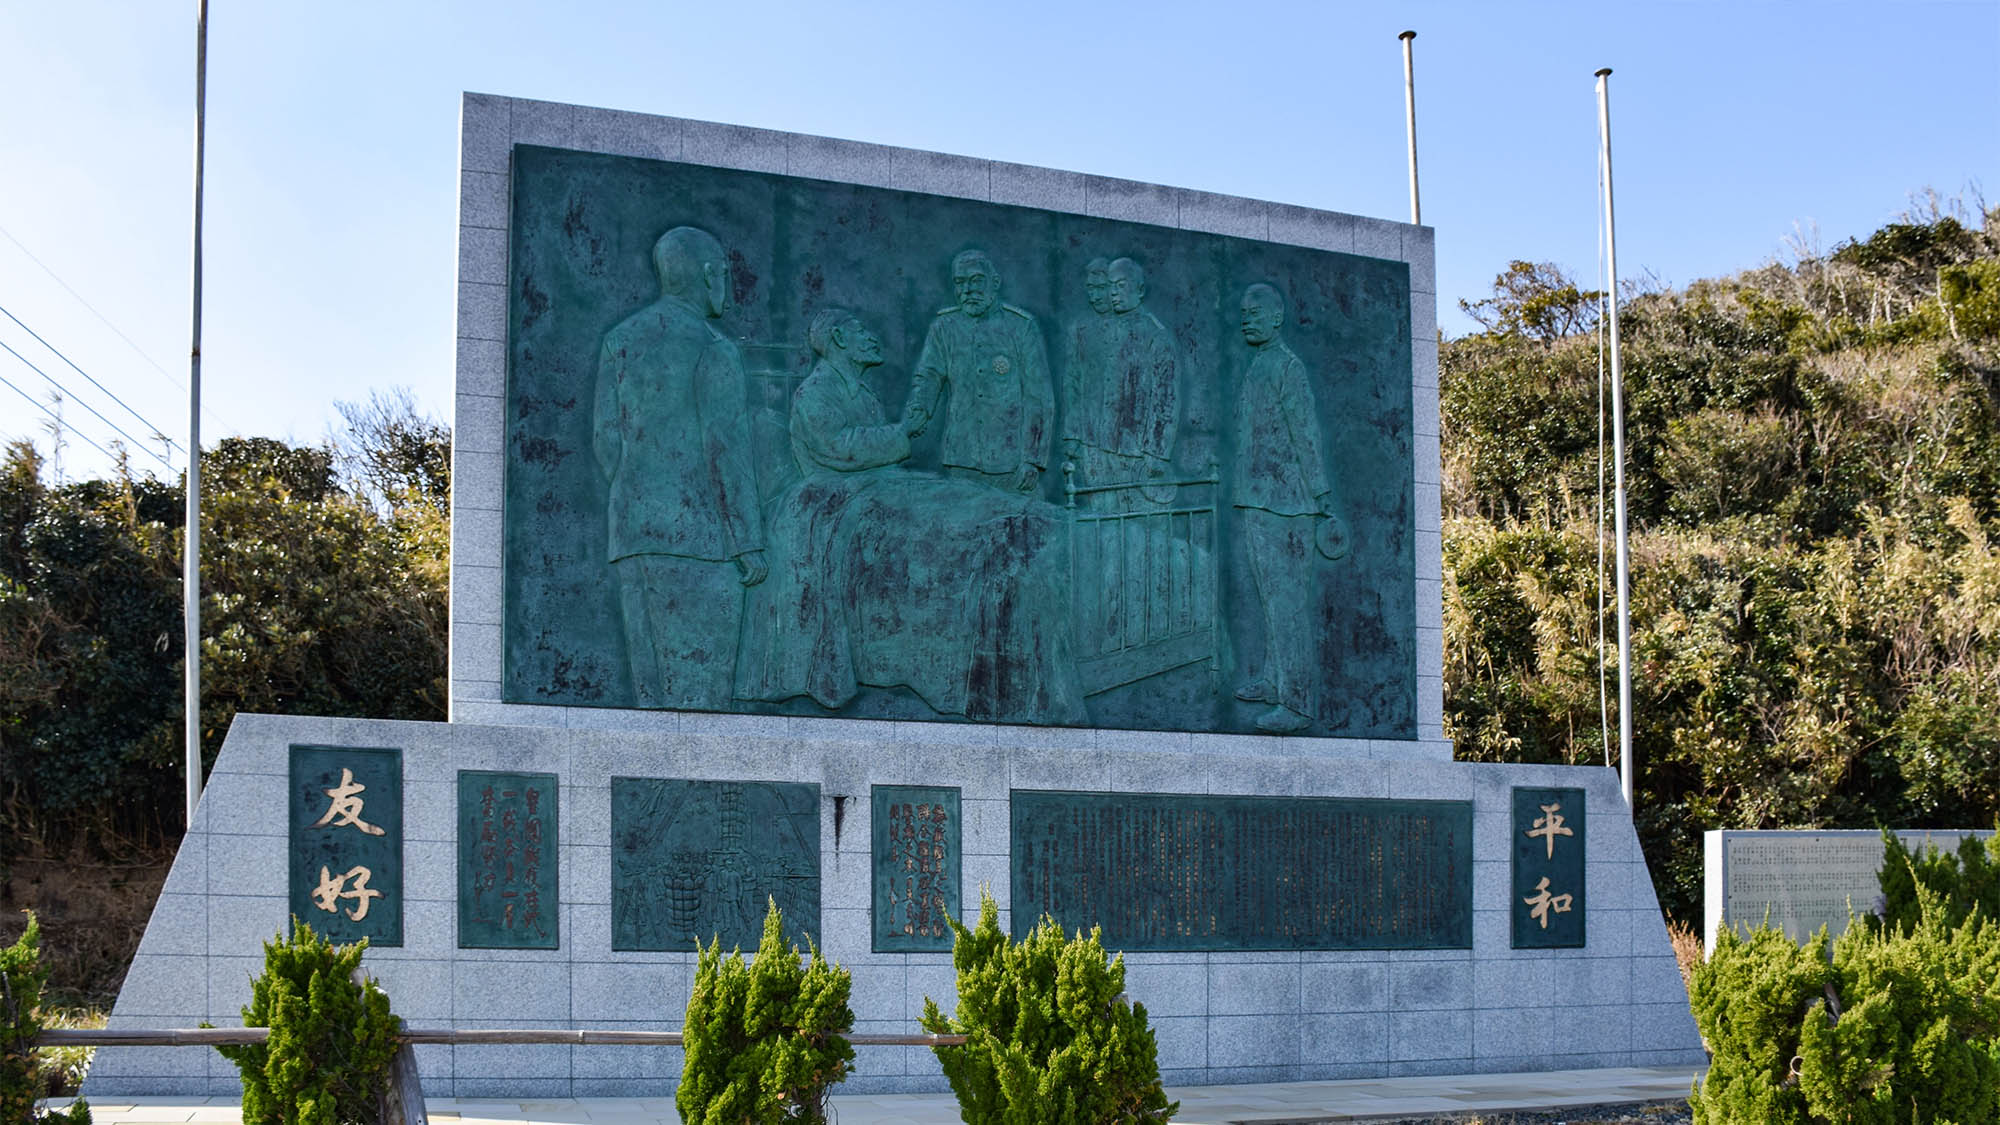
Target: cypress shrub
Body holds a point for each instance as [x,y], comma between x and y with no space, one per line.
[22,1083]
[1050,1038]
[765,1042]
[1964,882]
[1885,1026]
[332,1036]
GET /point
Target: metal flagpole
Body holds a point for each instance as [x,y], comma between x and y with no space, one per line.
[1410,111]
[191,539]
[1627,758]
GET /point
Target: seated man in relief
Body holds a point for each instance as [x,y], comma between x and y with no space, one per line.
[885,578]
[837,422]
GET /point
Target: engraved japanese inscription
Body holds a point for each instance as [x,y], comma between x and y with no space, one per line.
[1174,872]
[701,860]
[916,836]
[508,890]
[1548,868]
[346,861]
[778,445]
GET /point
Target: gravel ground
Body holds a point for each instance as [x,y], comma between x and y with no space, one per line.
[1626,1113]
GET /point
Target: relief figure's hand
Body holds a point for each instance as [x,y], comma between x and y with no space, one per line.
[1025,478]
[752,566]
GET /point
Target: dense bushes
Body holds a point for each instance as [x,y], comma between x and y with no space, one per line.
[324,593]
[1885,1027]
[1815,508]
[332,1036]
[1050,1039]
[764,1041]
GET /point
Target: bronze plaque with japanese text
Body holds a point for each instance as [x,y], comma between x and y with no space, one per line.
[508,894]
[1185,872]
[347,842]
[917,831]
[1548,868]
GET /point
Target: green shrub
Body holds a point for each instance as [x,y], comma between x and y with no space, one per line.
[1963,883]
[22,1079]
[1050,1039]
[1887,1027]
[765,1042]
[332,1036]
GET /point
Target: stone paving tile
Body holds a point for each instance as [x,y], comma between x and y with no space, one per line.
[1200,1105]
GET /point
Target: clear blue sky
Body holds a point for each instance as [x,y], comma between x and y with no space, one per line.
[333,131]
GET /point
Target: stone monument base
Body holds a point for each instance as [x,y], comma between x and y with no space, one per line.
[1221,1015]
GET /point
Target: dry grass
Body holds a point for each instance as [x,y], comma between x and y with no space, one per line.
[93,912]
[63,1068]
[1687,949]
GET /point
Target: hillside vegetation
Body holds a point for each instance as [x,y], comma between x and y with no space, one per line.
[1814,483]
[324,586]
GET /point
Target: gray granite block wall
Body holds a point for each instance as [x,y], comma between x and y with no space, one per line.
[1219,1016]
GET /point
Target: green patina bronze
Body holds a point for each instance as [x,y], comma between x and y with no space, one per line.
[701,860]
[783,446]
[916,856]
[1182,873]
[1548,908]
[508,890]
[347,842]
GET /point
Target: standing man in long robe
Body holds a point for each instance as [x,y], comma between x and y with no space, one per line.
[672,436]
[1285,501]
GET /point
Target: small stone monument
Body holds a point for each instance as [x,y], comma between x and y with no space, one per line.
[867,529]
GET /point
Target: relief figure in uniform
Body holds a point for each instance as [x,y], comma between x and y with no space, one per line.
[984,362]
[884,577]
[1124,400]
[1285,501]
[671,432]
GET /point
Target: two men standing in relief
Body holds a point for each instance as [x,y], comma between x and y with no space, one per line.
[687,529]
[1121,387]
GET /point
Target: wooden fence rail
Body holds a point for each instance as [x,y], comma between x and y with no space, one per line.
[231,1036]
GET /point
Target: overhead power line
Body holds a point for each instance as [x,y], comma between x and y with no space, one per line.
[93,382]
[53,416]
[93,410]
[164,373]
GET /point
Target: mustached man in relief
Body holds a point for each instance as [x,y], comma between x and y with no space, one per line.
[673,439]
[988,358]
[1286,505]
[1123,401]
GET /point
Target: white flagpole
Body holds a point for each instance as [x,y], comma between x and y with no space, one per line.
[1627,758]
[1410,112]
[191,541]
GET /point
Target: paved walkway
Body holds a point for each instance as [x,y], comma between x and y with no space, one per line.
[1356,1100]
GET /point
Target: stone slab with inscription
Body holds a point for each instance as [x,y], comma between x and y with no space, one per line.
[1800,880]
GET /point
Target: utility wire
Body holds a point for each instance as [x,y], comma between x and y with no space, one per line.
[54,416]
[93,309]
[93,410]
[100,386]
